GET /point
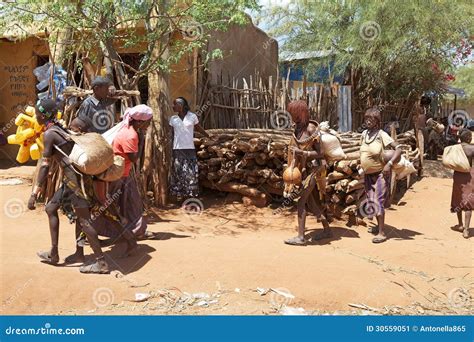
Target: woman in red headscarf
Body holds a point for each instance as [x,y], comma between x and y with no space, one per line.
[306,149]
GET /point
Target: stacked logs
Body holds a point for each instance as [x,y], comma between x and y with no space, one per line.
[251,162]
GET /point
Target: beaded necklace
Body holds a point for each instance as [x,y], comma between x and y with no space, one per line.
[373,139]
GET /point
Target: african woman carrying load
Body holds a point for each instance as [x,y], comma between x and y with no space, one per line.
[459,158]
[305,157]
[377,173]
[77,189]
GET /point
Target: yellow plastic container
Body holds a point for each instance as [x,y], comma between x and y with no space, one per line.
[38,127]
[39,141]
[35,152]
[21,136]
[23,119]
[30,111]
[12,139]
[23,154]
[59,115]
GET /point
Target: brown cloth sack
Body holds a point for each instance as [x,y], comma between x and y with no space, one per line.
[91,153]
[455,158]
[114,172]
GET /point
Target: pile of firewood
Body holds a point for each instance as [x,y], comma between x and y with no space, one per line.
[251,162]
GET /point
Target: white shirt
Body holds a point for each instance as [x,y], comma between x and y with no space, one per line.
[183,131]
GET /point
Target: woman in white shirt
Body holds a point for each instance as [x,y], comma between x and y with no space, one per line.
[184,181]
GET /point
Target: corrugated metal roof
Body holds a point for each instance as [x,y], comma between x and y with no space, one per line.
[287,56]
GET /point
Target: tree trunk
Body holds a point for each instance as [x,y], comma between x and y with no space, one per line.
[159,101]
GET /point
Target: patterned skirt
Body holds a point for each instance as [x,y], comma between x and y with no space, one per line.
[184,174]
[123,202]
[377,190]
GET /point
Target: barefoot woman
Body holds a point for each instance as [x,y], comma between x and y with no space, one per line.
[308,150]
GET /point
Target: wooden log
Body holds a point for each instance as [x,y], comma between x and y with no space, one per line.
[241,146]
[275,145]
[354,185]
[341,185]
[261,158]
[274,188]
[350,209]
[344,166]
[259,202]
[215,161]
[203,154]
[78,92]
[235,187]
[354,196]
[335,176]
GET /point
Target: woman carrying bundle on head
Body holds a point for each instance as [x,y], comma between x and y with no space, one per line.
[374,142]
[306,160]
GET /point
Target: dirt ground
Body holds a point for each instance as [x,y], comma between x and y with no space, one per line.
[230,259]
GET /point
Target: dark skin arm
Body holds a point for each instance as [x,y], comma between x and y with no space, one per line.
[469,150]
[310,155]
[201,130]
[396,156]
[49,141]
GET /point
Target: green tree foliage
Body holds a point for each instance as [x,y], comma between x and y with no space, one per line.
[465,80]
[98,24]
[394,48]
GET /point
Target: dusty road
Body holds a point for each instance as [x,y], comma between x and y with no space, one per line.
[228,251]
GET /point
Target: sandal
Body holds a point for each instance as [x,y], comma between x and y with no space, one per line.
[458,228]
[81,240]
[98,267]
[296,241]
[47,258]
[379,239]
[373,230]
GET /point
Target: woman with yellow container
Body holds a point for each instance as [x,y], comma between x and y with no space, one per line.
[29,135]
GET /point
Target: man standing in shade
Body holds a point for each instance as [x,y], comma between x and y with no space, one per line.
[96,106]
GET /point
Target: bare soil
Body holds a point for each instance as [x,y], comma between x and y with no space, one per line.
[213,262]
